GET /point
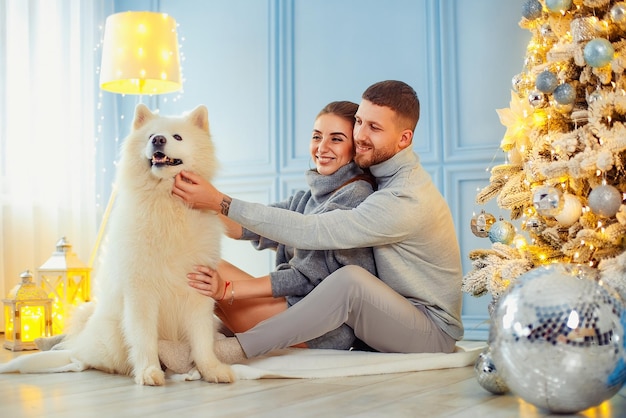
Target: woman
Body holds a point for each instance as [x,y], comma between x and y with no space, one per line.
[335,183]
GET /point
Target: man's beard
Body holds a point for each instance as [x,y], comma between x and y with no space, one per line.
[376,156]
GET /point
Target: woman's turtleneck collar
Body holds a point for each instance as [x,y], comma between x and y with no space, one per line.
[322,185]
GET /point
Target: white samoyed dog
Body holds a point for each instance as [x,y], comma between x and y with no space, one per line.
[153,240]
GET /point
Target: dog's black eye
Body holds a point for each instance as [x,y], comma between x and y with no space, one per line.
[178,137]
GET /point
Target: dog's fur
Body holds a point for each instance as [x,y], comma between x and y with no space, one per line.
[153,241]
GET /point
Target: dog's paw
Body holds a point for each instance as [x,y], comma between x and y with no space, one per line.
[221,373]
[151,376]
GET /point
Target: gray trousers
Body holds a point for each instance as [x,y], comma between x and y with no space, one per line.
[380,317]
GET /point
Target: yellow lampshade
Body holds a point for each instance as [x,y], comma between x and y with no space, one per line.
[140,54]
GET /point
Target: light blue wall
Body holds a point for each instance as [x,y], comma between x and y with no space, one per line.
[265,67]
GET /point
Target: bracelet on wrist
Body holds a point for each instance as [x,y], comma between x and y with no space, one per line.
[224,294]
[232,294]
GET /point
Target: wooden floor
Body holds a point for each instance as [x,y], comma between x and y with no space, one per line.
[438,393]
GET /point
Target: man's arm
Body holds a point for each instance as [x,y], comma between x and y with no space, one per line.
[383,218]
[367,225]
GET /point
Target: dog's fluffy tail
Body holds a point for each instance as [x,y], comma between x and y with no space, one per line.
[54,361]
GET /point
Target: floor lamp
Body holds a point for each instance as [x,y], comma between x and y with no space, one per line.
[139,56]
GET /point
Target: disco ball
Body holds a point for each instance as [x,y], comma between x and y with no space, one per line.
[487,374]
[558,338]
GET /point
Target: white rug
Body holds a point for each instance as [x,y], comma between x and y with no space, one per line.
[312,364]
[287,363]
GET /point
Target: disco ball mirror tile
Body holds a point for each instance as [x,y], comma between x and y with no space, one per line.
[557,338]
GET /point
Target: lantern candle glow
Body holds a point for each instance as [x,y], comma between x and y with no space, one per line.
[28,315]
[66,280]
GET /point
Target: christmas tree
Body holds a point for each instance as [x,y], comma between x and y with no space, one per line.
[564,179]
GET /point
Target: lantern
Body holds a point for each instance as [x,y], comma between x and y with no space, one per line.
[28,315]
[66,280]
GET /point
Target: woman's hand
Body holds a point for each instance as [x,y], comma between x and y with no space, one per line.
[208,282]
[197,192]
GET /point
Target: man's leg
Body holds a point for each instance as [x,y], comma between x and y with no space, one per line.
[380,317]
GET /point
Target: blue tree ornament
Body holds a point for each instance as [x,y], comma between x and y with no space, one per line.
[531,9]
[564,94]
[556,6]
[598,52]
[546,82]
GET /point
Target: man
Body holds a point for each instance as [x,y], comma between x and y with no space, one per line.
[414,305]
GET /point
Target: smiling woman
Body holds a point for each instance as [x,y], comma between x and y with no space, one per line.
[46,131]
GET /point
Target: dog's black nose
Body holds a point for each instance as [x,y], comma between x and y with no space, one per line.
[158,140]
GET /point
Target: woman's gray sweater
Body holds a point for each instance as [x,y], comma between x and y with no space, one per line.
[299,271]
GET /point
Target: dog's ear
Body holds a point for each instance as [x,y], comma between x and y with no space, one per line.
[142,115]
[200,117]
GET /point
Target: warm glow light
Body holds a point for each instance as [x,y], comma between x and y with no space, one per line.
[540,118]
[33,322]
[27,315]
[599,411]
[520,242]
[526,408]
[140,54]
[66,280]
[65,292]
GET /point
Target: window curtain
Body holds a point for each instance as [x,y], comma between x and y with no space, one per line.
[48,131]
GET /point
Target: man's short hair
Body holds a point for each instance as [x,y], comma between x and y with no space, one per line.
[399,97]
